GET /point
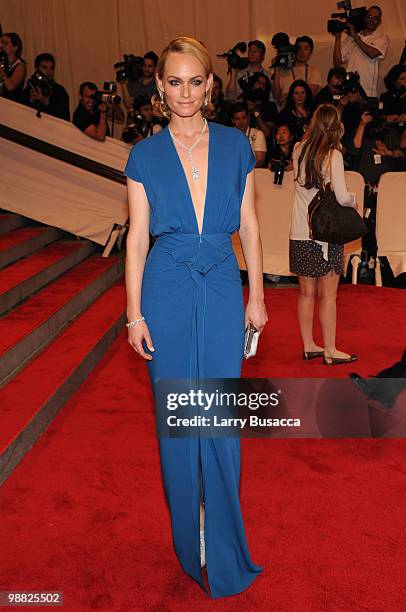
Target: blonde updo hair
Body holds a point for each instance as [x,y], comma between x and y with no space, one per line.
[187,46]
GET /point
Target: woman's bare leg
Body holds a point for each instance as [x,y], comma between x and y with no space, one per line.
[327,289]
[305,311]
[201,515]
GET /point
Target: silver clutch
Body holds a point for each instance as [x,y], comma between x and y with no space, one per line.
[251,341]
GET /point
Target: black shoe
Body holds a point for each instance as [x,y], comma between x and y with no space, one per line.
[338,360]
[312,354]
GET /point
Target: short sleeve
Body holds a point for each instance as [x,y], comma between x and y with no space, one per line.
[132,168]
[381,43]
[248,158]
[260,142]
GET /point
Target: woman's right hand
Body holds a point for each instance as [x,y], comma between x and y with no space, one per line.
[136,334]
[365,118]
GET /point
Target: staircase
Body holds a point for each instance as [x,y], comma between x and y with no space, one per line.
[61,305]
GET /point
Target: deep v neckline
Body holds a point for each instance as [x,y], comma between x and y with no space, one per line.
[185,181]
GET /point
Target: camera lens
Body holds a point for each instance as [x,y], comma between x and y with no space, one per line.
[278,177]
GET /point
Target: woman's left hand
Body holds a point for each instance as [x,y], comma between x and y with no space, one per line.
[256,315]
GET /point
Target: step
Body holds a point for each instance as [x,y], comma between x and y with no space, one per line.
[25,277]
[24,241]
[26,329]
[34,396]
[11,221]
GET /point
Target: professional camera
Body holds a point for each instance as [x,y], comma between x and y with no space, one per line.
[253,95]
[234,60]
[107,95]
[374,107]
[4,60]
[278,167]
[398,93]
[133,129]
[40,81]
[130,69]
[285,52]
[352,16]
[139,126]
[351,83]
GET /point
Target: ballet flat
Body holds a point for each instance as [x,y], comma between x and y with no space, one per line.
[312,354]
[337,360]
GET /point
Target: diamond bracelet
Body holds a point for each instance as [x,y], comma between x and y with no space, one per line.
[132,323]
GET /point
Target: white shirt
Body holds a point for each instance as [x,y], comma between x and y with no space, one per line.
[299,228]
[357,60]
[309,74]
[257,139]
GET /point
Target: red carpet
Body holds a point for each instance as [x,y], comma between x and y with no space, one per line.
[31,387]
[84,512]
[371,323]
[33,264]
[20,236]
[36,310]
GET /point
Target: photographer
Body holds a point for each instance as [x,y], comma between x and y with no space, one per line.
[145,85]
[223,109]
[374,153]
[298,109]
[13,69]
[332,92]
[43,92]
[394,99]
[256,55]
[363,51]
[255,136]
[263,114]
[142,122]
[284,77]
[89,116]
[283,149]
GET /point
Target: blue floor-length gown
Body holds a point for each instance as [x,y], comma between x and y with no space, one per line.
[193,305]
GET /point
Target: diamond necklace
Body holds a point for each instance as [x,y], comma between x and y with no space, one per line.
[195,171]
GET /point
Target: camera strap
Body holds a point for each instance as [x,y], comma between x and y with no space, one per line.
[306,72]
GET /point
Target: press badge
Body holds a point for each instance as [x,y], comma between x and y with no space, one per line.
[377,159]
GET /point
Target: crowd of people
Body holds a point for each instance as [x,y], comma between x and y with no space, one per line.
[272,107]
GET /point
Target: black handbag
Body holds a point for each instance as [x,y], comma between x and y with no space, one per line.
[330,222]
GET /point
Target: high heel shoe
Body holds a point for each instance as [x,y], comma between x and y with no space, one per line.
[202,549]
[338,360]
[312,354]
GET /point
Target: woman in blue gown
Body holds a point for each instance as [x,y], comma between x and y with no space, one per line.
[191,186]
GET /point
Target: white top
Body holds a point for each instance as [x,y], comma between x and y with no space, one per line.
[357,60]
[257,139]
[309,74]
[299,228]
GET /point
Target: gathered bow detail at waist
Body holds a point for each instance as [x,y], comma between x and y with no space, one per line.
[200,252]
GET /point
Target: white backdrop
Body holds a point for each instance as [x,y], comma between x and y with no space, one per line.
[88,36]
